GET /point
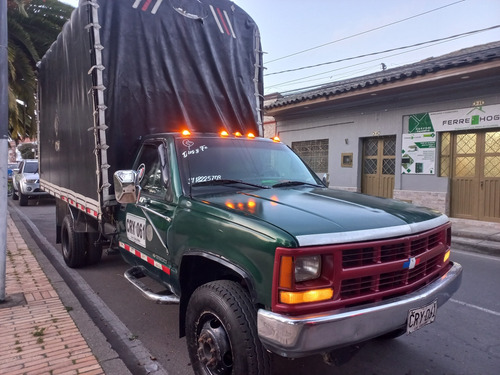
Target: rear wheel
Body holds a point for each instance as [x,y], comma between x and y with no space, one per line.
[72,244]
[221,331]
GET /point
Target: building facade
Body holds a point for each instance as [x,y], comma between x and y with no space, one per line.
[428,133]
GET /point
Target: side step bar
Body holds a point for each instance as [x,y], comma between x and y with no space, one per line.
[135,273]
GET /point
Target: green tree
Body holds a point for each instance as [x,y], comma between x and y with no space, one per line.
[33,26]
[28,150]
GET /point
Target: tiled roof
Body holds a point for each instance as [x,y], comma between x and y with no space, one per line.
[467,56]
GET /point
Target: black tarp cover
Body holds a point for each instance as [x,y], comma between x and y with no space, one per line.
[168,65]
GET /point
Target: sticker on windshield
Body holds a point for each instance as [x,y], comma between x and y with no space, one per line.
[191,150]
[198,179]
[136,229]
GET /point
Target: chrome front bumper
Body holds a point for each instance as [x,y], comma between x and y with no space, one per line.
[299,336]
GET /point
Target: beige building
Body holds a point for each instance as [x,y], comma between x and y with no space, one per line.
[428,132]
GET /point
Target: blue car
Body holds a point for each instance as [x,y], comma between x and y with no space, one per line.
[10,170]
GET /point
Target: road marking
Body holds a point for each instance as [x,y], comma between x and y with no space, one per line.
[476,307]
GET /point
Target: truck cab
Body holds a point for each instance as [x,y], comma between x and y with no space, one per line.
[209,195]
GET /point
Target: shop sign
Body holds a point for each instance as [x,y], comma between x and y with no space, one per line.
[418,153]
[476,117]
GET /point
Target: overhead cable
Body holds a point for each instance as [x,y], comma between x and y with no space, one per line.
[385,51]
[308,78]
[365,32]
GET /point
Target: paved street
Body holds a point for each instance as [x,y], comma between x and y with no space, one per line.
[465,339]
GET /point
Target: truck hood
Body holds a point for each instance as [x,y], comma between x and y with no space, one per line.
[319,216]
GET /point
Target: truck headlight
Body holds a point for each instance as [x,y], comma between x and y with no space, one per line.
[307,267]
[301,279]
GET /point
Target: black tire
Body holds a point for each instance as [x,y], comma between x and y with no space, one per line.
[94,249]
[23,199]
[72,244]
[15,197]
[221,332]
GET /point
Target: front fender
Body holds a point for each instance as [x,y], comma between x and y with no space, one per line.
[199,267]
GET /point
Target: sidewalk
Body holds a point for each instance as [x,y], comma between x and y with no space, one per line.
[475,236]
[37,334]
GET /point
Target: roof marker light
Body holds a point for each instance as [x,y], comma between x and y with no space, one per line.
[238,134]
[276,139]
[224,133]
[186,132]
[251,135]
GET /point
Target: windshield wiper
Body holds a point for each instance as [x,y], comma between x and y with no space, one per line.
[227,182]
[294,183]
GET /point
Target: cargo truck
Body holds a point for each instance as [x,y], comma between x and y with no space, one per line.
[150,121]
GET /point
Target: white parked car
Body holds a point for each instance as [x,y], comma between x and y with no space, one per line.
[26,182]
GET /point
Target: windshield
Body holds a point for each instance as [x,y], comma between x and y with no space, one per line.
[217,164]
[31,167]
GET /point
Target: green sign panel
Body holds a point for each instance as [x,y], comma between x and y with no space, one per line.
[477,117]
[420,123]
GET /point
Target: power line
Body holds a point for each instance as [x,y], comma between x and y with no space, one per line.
[298,80]
[365,32]
[385,51]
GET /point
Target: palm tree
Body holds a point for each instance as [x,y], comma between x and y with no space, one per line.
[33,26]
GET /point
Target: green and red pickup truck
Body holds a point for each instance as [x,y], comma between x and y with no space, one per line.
[159,155]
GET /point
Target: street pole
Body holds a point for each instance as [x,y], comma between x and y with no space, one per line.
[4,130]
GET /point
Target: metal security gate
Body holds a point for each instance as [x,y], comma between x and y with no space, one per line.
[475,175]
[379,166]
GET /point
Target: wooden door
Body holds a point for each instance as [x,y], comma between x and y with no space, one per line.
[475,183]
[379,166]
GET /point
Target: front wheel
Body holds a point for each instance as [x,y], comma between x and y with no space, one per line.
[221,332]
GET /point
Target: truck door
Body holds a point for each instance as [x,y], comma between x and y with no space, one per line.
[147,222]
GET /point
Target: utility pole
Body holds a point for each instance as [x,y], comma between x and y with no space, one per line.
[4,139]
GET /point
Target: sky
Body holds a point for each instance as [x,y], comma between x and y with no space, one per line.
[298,34]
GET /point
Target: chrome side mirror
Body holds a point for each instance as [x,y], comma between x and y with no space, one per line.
[325,180]
[127,189]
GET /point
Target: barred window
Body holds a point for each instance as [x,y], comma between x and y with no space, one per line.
[445,148]
[314,153]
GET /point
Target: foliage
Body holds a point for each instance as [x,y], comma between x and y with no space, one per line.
[26,150]
[33,25]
